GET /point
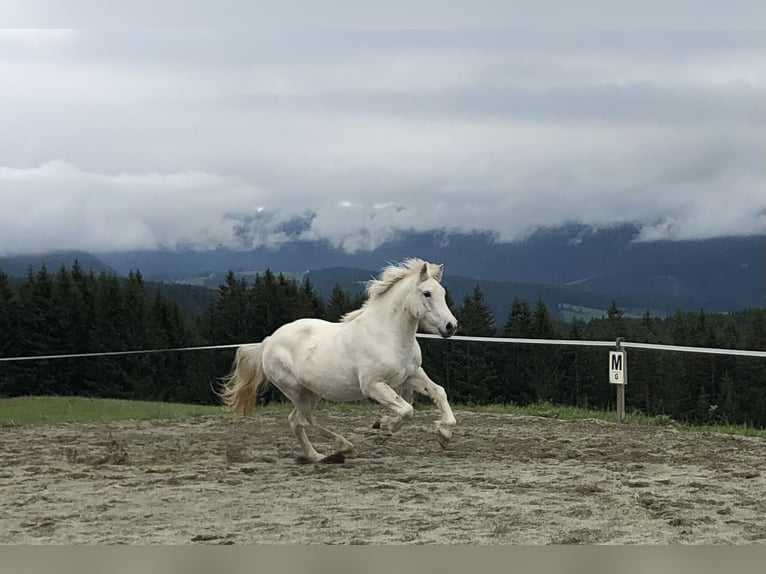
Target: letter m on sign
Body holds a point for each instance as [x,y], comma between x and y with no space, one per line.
[617,367]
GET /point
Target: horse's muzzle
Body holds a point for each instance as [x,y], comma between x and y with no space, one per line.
[448,330]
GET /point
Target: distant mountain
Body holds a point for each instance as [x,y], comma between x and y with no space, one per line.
[569,267]
[19,265]
[560,300]
[725,274]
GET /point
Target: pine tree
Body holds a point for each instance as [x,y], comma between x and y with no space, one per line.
[7,315]
[107,376]
[235,312]
[542,324]
[7,330]
[269,305]
[701,369]
[519,323]
[752,389]
[136,313]
[477,380]
[85,288]
[475,317]
[173,373]
[728,407]
[339,304]
[516,360]
[137,333]
[65,332]
[616,323]
[680,400]
[578,373]
[646,372]
[307,302]
[84,328]
[36,332]
[547,382]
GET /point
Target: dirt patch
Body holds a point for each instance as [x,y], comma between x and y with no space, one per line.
[505,480]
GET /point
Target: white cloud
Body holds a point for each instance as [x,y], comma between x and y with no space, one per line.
[58,205]
[146,139]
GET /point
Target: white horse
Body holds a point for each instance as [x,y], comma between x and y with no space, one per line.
[372,353]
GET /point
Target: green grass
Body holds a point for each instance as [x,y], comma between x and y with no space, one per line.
[561,412]
[571,312]
[741,430]
[56,410]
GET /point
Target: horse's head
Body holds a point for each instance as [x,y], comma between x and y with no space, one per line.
[428,302]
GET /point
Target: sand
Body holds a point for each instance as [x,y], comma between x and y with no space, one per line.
[505,479]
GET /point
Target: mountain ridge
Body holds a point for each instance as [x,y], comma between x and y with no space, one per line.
[722,274]
[20,265]
[572,265]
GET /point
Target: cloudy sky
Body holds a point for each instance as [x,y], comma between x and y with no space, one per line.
[136,139]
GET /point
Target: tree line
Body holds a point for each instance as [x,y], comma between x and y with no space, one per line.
[73,311]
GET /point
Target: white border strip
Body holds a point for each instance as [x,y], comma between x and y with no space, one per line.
[562,342]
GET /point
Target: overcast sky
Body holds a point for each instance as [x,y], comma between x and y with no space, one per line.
[128,139]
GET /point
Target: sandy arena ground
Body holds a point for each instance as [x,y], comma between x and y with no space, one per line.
[505,480]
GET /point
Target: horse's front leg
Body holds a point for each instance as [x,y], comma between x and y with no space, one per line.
[390,399]
[407,394]
[421,383]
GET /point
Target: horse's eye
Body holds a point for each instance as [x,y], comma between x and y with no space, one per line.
[426,294]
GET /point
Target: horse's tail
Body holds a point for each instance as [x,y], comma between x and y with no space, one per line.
[241,386]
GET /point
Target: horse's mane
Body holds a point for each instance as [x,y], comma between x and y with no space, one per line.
[389,277]
[351,315]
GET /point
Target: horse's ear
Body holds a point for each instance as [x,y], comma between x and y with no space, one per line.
[439,272]
[424,272]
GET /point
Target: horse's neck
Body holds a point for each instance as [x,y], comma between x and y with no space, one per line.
[390,317]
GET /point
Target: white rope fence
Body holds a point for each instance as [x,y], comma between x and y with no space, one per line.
[625,344]
[117,353]
[511,340]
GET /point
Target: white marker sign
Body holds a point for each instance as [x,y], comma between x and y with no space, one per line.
[618,367]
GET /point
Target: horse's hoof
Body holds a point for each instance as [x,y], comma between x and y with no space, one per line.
[349,451]
[376,425]
[334,458]
[443,440]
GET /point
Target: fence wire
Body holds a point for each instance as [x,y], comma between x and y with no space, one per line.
[509,340]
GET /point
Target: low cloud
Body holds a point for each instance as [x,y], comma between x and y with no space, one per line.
[58,205]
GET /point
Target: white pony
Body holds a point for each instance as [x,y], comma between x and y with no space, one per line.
[372,353]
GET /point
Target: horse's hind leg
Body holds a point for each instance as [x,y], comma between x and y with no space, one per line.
[302,417]
[281,375]
[340,444]
[299,423]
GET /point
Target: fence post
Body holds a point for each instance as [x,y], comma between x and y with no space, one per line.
[618,366]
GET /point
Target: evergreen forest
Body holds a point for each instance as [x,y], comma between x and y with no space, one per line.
[74,311]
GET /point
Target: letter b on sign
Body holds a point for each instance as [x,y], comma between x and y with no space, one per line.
[618,367]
